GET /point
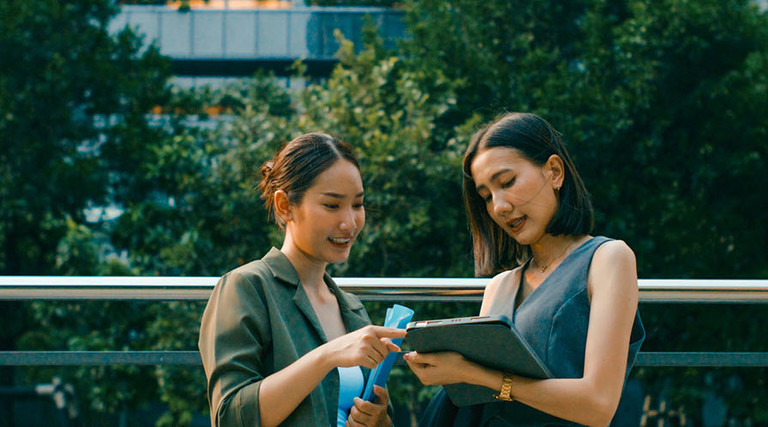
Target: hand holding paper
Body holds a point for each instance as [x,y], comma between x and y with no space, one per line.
[397,317]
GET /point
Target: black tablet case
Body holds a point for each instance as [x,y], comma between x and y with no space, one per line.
[491,341]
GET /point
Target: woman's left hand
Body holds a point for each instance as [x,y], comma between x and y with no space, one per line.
[370,414]
[438,368]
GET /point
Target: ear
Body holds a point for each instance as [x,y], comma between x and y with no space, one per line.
[283,205]
[556,171]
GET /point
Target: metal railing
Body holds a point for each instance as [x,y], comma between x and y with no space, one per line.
[368,289]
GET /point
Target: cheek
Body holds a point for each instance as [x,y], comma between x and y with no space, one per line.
[361,219]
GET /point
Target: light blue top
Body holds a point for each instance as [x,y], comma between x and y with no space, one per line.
[350,386]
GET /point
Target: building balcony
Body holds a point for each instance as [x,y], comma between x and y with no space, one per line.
[235,42]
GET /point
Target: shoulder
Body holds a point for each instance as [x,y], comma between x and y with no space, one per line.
[247,281]
[495,284]
[613,252]
[613,267]
[254,269]
[501,278]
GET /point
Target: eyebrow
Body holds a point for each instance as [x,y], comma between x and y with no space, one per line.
[495,176]
[341,196]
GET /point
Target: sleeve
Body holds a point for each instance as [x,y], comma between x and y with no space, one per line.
[233,334]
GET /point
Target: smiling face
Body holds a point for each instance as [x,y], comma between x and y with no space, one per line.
[519,196]
[322,227]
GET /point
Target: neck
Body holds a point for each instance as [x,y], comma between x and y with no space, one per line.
[309,269]
[551,249]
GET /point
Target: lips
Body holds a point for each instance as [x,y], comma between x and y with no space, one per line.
[340,241]
[517,223]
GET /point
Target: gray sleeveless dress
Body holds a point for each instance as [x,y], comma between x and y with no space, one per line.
[554,320]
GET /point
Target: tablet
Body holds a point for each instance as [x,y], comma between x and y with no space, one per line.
[491,341]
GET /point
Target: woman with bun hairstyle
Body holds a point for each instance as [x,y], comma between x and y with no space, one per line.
[572,296]
[281,344]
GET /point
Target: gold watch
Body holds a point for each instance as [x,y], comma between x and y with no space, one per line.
[506,387]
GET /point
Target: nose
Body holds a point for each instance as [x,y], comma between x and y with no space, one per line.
[500,205]
[348,220]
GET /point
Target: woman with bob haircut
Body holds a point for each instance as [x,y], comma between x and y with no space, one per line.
[281,344]
[572,296]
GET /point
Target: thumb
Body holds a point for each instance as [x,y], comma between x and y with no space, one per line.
[382,394]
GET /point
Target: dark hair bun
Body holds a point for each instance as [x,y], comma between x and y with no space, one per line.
[266,169]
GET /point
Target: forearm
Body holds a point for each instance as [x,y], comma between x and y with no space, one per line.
[574,399]
[282,392]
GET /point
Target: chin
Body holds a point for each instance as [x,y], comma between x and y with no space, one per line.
[524,239]
[338,259]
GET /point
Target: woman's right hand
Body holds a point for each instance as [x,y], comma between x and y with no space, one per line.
[366,346]
[439,368]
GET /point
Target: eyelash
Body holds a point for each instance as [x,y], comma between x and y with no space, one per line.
[487,199]
[355,206]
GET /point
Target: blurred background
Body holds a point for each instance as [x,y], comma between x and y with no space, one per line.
[131,133]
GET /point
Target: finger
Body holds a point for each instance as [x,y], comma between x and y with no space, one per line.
[382,394]
[380,349]
[362,411]
[415,357]
[364,406]
[385,332]
[372,361]
[427,358]
[392,346]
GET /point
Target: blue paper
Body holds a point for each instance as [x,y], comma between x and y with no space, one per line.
[397,317]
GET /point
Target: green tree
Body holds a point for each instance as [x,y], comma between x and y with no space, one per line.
[72,105]
[73,100]
[374,102]
[662,105]
[670,91]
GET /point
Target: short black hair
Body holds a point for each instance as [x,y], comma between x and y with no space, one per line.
[536,140]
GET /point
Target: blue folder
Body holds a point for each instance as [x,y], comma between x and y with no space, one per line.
[397,317]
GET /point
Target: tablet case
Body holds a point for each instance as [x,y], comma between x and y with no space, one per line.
[491,341]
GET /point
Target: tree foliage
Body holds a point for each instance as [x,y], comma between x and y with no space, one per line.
[373,101]
[662,105]
[73,100]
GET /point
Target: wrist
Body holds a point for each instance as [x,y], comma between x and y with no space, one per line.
[505,389]
[479,375]
[321,356]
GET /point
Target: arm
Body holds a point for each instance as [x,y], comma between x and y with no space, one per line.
[284,390]
[234,334]
[592,399]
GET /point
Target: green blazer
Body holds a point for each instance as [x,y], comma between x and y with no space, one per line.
[258,321]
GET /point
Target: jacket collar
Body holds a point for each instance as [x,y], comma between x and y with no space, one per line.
[282,269]
[352,310]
